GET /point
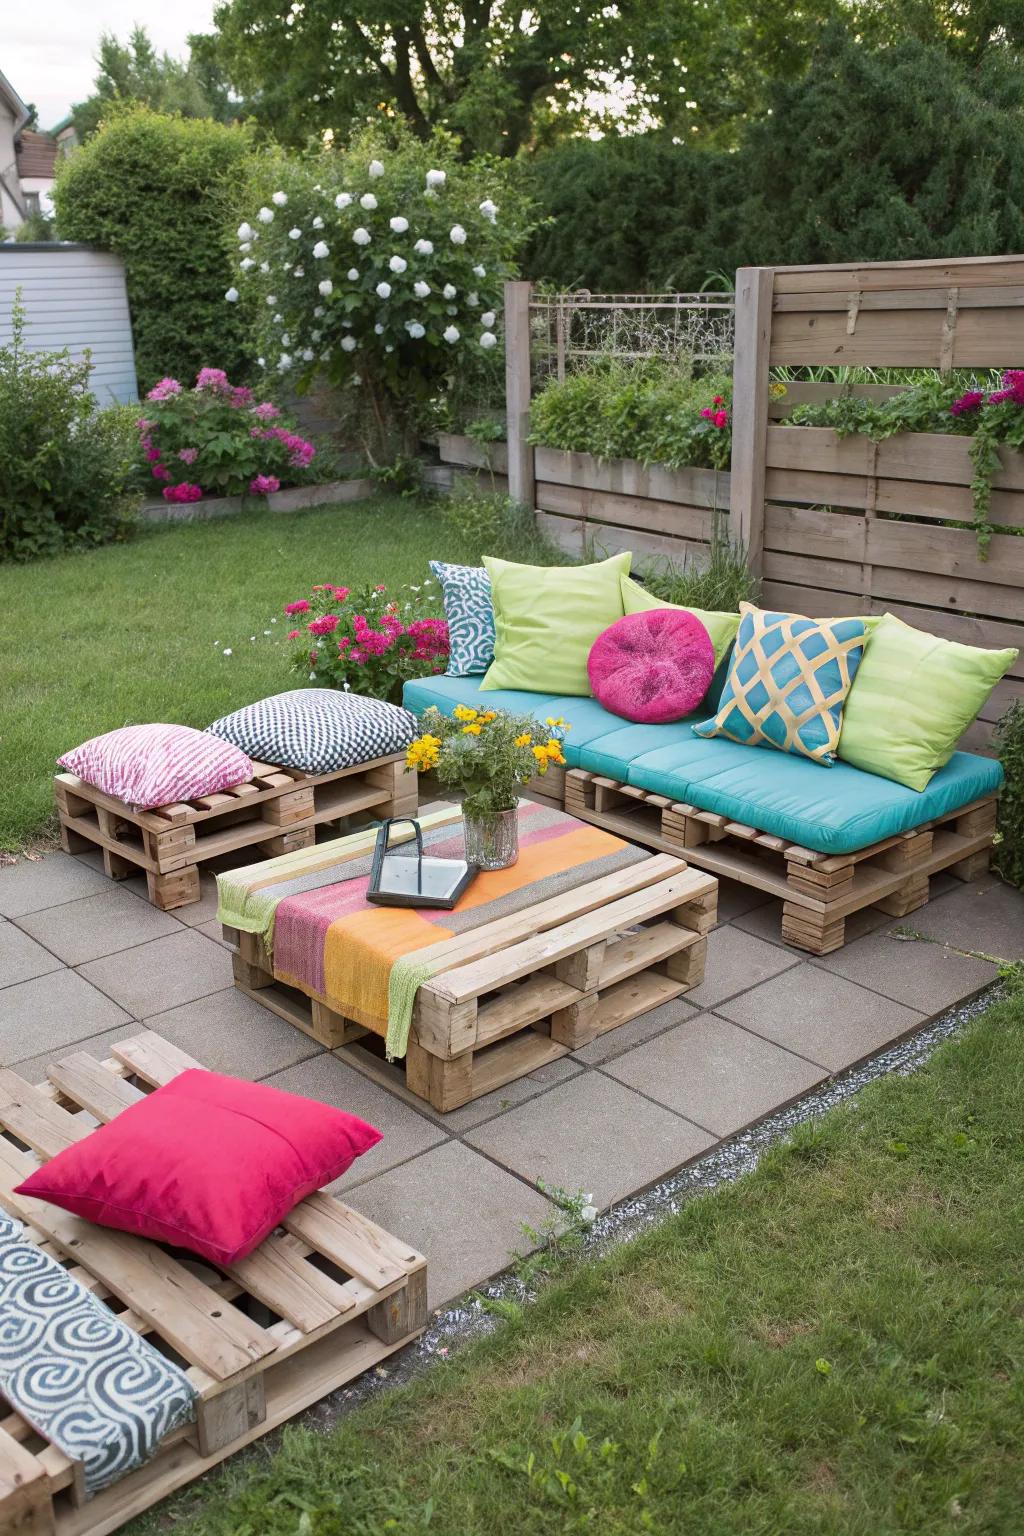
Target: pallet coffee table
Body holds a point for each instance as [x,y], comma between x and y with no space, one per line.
[525,988]
[318,1302]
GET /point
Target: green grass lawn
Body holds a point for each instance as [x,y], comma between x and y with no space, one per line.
[830,1347]
[137,632]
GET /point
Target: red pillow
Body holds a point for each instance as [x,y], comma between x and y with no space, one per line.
[208,1163]
[652,666]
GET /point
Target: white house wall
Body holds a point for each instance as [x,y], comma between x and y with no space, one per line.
[73,297]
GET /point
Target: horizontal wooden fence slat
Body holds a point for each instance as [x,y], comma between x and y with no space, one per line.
[579,538]
[938,272]
[928,456]
[467,451]
[637,512]
[628,477]
[880,541]
[984,338]
[953,593]
[982,297]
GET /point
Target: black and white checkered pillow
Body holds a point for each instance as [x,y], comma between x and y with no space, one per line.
[318,729]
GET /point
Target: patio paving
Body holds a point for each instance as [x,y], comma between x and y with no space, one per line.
[84,964]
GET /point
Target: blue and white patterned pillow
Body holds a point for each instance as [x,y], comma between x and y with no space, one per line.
[318,729]
[470,613]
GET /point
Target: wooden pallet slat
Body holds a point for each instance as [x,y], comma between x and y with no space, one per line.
[345,1296]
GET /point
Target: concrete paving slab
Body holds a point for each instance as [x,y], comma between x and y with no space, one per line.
[457,1121]
[821,1016]
[215,932]
[734,899]
[716,1074]
[985,914]
[94,926]
[460,1210]
[159,975]
[617,1041]
[33,1069]
[21,957]
[229,1032]
[32,884]
[591,1134]
[406,1133]
[51,1012]
[925,975]
[736,961]
[205,909]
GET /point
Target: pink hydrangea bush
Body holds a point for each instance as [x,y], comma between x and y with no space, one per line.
[217,439]
[368,640]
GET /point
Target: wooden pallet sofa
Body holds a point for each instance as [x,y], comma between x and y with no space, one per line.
[316,1304]
[826,842]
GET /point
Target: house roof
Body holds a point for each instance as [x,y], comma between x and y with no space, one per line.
[13,100]
[36,154]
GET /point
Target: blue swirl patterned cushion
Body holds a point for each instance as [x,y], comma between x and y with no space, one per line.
[788,682]
[469,611]
[82,1378]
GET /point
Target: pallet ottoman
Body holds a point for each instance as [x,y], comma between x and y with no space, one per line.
[584,933]
[318,757]
[320,1301]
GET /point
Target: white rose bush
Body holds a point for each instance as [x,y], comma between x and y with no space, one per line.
[395,291]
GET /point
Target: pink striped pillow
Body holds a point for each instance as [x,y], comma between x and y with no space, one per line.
[147,765]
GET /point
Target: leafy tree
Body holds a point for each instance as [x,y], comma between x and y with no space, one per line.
[155,189]
[502,76]
[135,72]
[893,153]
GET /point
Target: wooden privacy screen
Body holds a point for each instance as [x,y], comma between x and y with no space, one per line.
[845,525]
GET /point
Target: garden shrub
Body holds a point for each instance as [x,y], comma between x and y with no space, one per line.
[217,439]
[368,639]
[381,266]
[486,522]
[1009,743]
[654,410]
[154,190]
[65,465]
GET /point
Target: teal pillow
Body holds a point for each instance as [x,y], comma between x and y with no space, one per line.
[787,683]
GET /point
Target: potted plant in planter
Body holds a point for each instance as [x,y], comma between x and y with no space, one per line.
[487,754]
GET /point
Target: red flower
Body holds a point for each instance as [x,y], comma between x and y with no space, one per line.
[721,418]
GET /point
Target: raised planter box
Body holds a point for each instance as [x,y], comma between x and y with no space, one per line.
[830,546]
[296,498]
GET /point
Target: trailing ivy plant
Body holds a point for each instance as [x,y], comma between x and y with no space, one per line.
[990,418]
[1009,742]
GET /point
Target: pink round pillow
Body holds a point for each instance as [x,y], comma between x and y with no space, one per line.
[653,666]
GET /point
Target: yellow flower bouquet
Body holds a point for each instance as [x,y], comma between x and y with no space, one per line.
[486,754]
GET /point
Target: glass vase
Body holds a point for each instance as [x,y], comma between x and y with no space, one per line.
[492,838]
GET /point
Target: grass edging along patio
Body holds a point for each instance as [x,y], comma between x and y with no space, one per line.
[296,498]
[815,1340]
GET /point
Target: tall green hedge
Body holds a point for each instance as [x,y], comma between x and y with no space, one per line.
[876,154]
[156,190]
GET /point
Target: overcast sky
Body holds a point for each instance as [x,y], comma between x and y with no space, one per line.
[48,51]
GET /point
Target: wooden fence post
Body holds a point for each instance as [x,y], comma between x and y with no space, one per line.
[754,287]
[517,392]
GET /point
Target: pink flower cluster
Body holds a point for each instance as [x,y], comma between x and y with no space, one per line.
[973,399]
[300,607]
[338,593]
[183,492]
[163,391]
[300,452]
[217,381]
[716,413]
[264,485]
[265,411]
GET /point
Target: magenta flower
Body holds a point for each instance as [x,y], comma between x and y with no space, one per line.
[183,492]
[264,485]
[266,411]
[300,607]
[325,625]
[164,390]
[153,455]
[293,634]
[188,455]
[240,396]
[973,400]
[160,473]
[213,378]
[721,418]
[1013,385]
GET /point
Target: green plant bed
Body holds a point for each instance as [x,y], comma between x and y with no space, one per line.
[138,632]
[830,1345]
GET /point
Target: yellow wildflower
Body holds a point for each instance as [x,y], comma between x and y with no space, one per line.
[463,712]
[553,749]
[524,740]
[471,730]
[557,723]
[489,715]
[542,759]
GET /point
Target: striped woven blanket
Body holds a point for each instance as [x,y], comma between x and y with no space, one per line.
[367,962]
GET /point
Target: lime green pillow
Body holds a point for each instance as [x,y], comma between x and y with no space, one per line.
[546,618]
[721,627]
[912,699]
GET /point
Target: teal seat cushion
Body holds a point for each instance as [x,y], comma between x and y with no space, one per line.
[587,719]
[834,810]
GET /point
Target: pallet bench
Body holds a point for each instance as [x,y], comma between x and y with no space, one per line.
[819,891]
[276,811]
[525,989]
[320,1301]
